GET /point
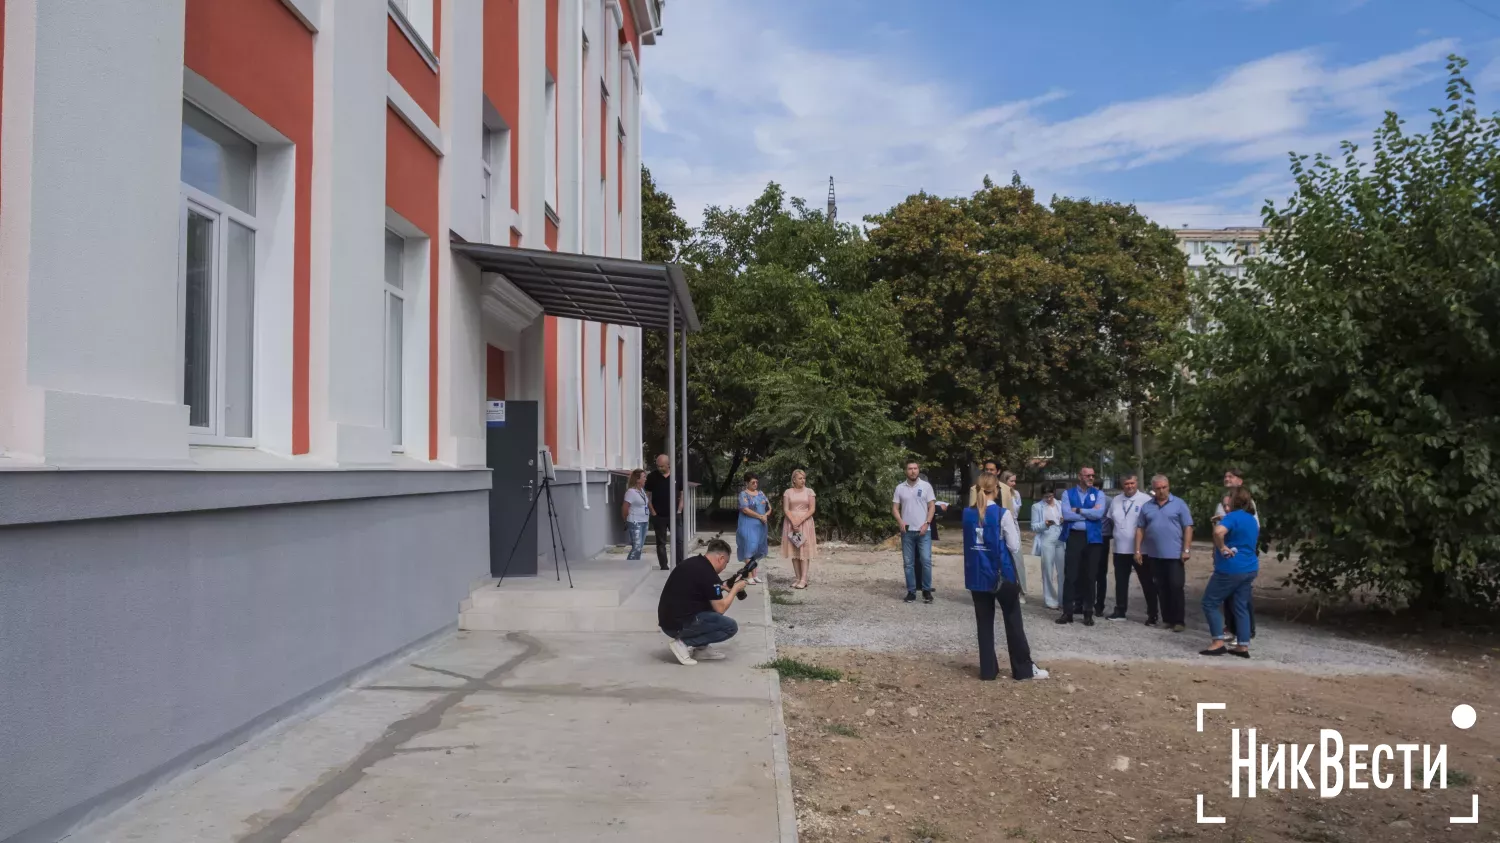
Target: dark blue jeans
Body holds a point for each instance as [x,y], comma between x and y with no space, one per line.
[707,628]
[1221,587]
[916,558]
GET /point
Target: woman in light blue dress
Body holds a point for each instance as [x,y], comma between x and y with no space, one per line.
[755,513]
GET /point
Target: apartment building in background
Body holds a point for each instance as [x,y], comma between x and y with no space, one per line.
[263,264]
[1224,247]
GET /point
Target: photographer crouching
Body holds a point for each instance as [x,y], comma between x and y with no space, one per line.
[693,603]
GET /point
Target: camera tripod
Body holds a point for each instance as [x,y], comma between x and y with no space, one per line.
[554,529]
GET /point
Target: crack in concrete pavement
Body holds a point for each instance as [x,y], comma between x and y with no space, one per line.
[576,691]
[389,744]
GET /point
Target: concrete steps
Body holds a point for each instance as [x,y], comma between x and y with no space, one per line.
[609,594]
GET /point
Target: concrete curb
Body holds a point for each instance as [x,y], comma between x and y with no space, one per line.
[781,765]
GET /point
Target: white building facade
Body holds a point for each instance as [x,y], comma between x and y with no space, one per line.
[1228,248]
[243,369]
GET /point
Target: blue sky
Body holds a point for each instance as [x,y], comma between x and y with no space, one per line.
[1187,108]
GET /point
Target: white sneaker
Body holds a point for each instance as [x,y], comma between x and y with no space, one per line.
[1023,601]
[706,654]
[1038,673]
[681,651]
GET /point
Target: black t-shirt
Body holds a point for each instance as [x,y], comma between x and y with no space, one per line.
[659,487]
[691,588]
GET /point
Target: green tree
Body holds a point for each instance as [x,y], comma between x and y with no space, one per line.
[1357,375]
[663,235]
[1028,321]
[797,357]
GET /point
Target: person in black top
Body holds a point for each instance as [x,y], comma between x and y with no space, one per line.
[693,603]
[659,489]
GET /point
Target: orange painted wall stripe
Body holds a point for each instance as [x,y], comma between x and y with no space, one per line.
[494,373]
[411,70]
[549,377]
[411,190]
[551,51]
[515,238]
[258,53]
[628,34]
[502,78]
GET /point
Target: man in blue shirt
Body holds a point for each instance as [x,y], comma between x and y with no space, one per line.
[1083,509]
[1164,540]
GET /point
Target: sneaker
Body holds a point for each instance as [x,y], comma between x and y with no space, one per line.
[1038,673]
[1178,628]
[1116,616]
[1023,600]
[707,654]
[911,597]
[1151,622]
[1088,620]
[681,651]
[1228,636]
[926,597]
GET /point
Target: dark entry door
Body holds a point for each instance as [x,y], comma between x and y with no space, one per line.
[511,453]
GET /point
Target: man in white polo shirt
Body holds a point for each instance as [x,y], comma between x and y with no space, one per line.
[1124,512]
[913,507]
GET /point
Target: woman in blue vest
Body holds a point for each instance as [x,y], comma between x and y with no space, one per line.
[992,543]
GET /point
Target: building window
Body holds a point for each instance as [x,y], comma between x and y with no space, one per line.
[549,144]
[395,334]
[418,14]
[217,287]
[495,188]
[486,183]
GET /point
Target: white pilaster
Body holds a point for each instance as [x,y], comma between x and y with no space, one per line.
[347,377]
[90,363]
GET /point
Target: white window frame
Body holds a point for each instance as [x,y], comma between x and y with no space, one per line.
[417,21]
[488,140]
[549,143]
[221,213]
[399,434]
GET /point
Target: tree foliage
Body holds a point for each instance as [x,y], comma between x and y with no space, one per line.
[796,359]
[1028,321]
[1357,374]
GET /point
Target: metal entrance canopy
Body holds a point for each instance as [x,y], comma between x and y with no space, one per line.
[617,291]
[592,288]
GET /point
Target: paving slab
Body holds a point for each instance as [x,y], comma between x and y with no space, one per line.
[507,736]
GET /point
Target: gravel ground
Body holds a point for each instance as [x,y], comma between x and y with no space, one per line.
[855,601]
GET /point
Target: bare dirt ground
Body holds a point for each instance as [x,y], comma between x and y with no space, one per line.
[912,747]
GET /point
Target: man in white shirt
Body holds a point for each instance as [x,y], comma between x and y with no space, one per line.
[913,506]
[1124,512]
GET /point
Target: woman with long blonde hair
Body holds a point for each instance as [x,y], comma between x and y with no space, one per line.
[799,538]
[636,510]
[992,548]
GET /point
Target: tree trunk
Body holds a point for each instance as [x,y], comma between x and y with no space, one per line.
[1432,597]
[1140,450]
[723,488]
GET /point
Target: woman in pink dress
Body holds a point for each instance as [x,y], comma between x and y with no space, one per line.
[800,504]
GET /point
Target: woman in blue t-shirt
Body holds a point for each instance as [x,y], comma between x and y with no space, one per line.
[992,549]
[1235,566]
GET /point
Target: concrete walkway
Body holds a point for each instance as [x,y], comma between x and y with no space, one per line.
[508,736]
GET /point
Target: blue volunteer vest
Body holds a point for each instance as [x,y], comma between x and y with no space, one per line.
[1093,529]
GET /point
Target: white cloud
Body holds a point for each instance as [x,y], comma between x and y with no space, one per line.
[747,104]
